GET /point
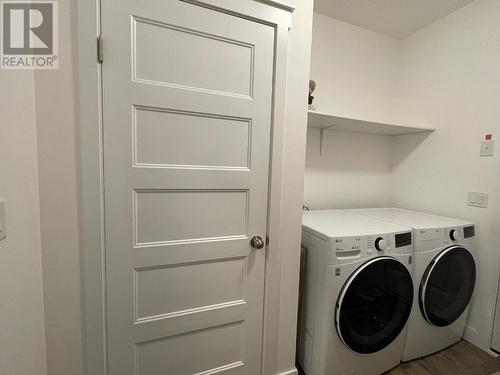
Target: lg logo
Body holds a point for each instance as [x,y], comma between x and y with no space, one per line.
[29,35]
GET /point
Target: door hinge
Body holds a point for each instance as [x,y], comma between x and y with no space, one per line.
[100,49]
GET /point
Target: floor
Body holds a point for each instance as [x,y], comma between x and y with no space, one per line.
[460,359]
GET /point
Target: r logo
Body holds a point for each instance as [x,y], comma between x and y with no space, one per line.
[27,28]
[29,34]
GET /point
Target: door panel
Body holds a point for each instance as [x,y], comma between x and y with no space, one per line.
[173,216]
[192,58]
[216,283]
[194,352]
[187,100]
[201,140]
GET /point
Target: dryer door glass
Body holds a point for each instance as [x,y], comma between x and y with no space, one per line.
[374,305]
[447,286]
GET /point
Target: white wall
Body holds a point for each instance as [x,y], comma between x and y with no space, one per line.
[22,336]
[58,171]
[451,79]
[354,170]
[355,71]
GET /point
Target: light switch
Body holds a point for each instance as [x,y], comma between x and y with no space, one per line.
[477,199]
[471,198]
[3,233]
[482,199]
[487,148]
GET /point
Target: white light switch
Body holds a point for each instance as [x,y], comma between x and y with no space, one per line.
[471,199]
[487,148]
[3,233]
[477,199]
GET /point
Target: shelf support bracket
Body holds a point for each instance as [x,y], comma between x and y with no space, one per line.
[321,131]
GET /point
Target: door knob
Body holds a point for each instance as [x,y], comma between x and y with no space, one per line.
[257,242]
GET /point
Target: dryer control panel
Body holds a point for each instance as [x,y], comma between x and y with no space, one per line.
[429,239]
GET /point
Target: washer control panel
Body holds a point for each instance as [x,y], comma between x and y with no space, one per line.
[345,249]
[348,247]
[379,244]
[392,243]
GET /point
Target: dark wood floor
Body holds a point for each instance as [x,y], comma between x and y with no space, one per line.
[460,359]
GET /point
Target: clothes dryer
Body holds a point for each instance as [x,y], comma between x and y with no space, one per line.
[444,275]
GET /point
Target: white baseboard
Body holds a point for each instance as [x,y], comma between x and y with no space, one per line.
[471,335]
[493,353]
[294,371]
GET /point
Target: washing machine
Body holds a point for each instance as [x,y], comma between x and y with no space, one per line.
[444,274]
[357,294]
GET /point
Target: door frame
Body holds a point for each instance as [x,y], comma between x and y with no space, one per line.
[270,12]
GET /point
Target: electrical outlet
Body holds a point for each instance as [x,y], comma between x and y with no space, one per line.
[487,148]
[477,199]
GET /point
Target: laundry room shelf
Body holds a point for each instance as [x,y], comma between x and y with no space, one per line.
[320,120]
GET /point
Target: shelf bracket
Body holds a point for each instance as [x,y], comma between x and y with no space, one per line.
[321,135]
[321,131]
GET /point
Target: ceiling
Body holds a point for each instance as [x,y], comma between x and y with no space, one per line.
[396,18]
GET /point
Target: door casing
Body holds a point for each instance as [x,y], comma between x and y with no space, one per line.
[274,13]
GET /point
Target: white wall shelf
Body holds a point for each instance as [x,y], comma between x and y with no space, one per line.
[322,120]
[325,121]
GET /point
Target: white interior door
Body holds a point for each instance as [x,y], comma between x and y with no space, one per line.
[187,99]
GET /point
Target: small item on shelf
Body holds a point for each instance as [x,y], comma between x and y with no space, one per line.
[312,87]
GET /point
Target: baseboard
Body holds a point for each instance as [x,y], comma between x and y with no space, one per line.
[493,353]
[294,371]
[471,335]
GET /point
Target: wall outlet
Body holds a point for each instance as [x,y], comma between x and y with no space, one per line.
[477,199]
[487,148]
[3,233]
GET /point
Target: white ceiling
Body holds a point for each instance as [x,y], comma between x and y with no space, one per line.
[396,18]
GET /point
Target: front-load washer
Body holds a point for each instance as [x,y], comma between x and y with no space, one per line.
[444,275]
[357,294]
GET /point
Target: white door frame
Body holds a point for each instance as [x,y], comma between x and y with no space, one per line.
[271,12]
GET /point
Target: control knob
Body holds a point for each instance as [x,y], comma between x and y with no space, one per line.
[455,235]
[380,244]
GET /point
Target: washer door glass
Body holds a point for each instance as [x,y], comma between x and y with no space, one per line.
[374,305]
[447,286]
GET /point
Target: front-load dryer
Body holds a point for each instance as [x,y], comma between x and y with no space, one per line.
[357,294]
[444,274]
